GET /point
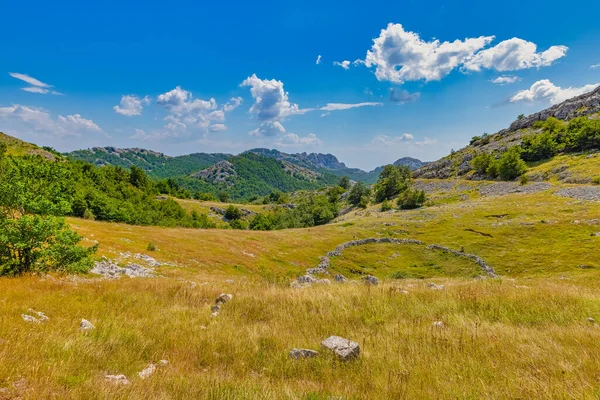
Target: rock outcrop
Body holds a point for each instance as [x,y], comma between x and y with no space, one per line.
[344,349]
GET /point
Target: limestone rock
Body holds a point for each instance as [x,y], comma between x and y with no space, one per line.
[223,298]
[42,317]
[146,372]
[86,325]
[438,324]
[371,280]
[345,349]
[297,354]
[29,318]
[340,278]
[117,379]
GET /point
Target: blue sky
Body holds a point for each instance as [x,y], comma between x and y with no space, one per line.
[411,78]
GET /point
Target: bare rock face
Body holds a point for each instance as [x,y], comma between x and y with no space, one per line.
[297,354]
[345,349]
[585,104]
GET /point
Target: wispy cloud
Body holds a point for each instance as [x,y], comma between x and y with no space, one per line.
[505,80]
[345,106]
[37,86]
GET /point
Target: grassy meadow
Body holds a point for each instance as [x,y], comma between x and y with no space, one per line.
[523,335]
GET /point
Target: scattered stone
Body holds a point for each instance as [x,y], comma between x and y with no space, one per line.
[223,298]
[42,317]
[214,314]
[163,363]
[146,372]
[306,279]
[433,286]
[216,308]
[591,320]
[340,278]
[86,325]
[230,281]
[151,261]
[587,193]
[117,379]
[371,280]
[297,354]
[110,270]
[438,324]
[345,349]
[29,318]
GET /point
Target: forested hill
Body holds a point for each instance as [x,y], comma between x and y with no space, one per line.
[157,165]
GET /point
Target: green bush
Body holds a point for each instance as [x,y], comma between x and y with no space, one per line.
[386,205]
[261,222]
[358,191]
[364,202]
[232,213]
[344,183]
[539,147]
[151,247]
[510,164]
[392,181]
[238,224]
[481,162]
[411,199]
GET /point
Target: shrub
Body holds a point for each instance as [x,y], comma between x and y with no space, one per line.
[358,191]
[151,247]
[386,205]
[364,202]
[492,169]
[481,162]
[510,164]
[411,198]
[392,181]
[344,183]
[232,213]
[524,180]
[261,222]
[238,224]
[539,147]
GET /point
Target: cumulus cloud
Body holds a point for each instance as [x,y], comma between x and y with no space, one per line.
[271,102]
[318,60]
[40,120]
[232,104]
[505,80]
[217,128]
[131,105]
[399,55]
[157,136]
[188,115]
[344,106]
[37,86]
[403,97]
[514,54]
[268,129]
[291,139]
[594,66]
[344,64]
[386,140]
[546,90]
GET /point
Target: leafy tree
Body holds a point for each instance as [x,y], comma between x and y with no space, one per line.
[138,178]
[238,224]
[520,117]
[539,146]
[344,182]
[261,222]
[233,213]
[411,198]
[364,202]
[510,164]
[392,181]
[386,205]
[358,191]
[223,197]
[481,162]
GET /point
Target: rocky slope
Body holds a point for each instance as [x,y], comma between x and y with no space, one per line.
[459,162]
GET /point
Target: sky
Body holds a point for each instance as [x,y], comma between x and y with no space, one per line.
[367,82]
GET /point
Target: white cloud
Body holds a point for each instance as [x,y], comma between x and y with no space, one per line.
[268,128]
[131,105]
[29,79]
[514,54]
[271,102]
[187,114]
[40,120]
[385,140]
[403,97]
[546,90]
[505,80]
[594,66]
[344,106]
[426,142]
[291,139]
[37,86]
[217,128]
[232,104]
[400,55]
[344,64]
[157,136]
[318,60]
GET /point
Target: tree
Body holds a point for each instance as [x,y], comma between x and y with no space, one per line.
[137,177]
[481,162]
[410,199]
[510,164]
[261,222]
[392,181]
[223,197]
[539,147]
[233,213]
[520,117]
[344,182]
[358,191]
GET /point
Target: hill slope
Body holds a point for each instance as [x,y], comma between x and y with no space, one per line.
[18,147]
[459,163]
[157,165]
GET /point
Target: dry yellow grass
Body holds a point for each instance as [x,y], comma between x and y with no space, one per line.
[525,335]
